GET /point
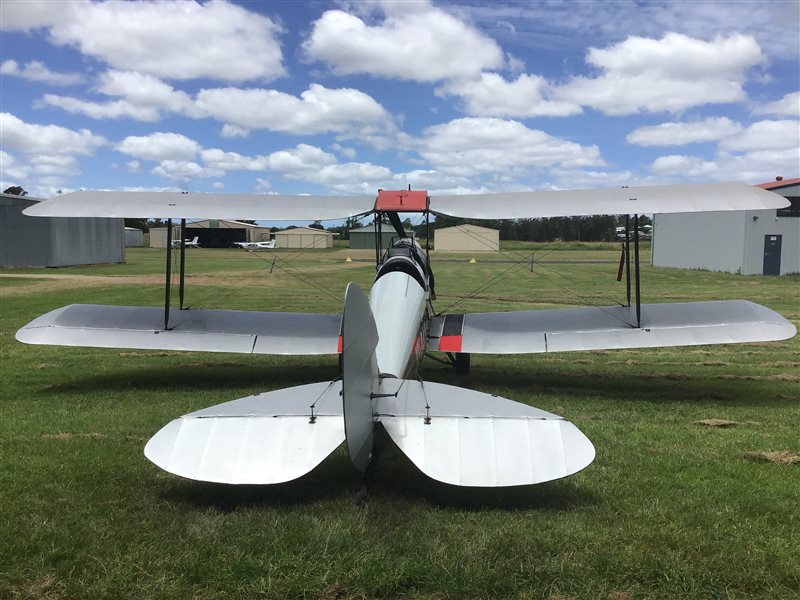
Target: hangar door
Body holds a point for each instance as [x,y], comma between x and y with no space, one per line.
[216,237]
[772,254]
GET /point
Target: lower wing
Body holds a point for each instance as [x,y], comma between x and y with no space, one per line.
[199,330]
[610,327]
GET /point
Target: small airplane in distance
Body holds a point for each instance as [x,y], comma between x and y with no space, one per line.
[256,245]
[454,435]
[192,243]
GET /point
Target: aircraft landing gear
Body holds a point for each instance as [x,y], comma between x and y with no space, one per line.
[461,363]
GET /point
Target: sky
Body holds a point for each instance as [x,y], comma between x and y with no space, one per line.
[295,97]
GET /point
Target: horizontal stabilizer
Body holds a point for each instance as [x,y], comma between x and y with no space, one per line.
[192,329]
[262,439]
[469,438]
[609,327]
[614,201]
[197,205]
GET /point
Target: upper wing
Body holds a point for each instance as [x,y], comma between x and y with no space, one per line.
[595,328]
[178,205]
[200,330]
[615,201]
[517,205]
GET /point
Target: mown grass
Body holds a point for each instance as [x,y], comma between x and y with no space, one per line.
[669,509]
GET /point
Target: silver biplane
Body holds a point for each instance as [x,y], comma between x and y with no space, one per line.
[451,434]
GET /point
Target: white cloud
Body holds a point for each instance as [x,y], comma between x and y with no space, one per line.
[215,158]
[766,135]
[37,71]
[47,139]
[679,134]
[492,96]
[670,74]
[44,164]
[234,131]
[172,40]
[788,106]
[133,166]
[470,146]
[345,151]
[142,97]
[263,185]
[184,170]
[218,185]
[425,44]
[159,146]
[11,169]
[301,160]
[317,110]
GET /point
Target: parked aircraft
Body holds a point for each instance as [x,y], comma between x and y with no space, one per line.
[192,243]
[256,245]
[451,434]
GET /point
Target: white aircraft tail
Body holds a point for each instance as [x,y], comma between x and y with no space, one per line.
[453,435]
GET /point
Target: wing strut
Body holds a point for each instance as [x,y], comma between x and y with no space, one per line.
[183,259]
[636,260]
[168,278]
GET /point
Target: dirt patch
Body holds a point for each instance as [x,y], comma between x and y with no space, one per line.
[716,423]
[778,457]
[785,377]
[715,363]
[44,366]
[64,436]
[150,354]
[47,587]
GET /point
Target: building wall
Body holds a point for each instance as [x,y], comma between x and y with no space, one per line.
[134,238]
[466,238]
[303,238]
[711,240]
[366,239]
[158,235]
[56,242]
[768,223]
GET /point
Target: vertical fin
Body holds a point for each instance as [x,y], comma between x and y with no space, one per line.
[359,374]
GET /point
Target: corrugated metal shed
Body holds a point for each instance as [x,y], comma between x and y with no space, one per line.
[134,238]
[466,238]
[752,242]
[303,237]
[364,237]
[212,233]
[56,242]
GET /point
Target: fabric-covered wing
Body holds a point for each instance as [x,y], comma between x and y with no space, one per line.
[596,328]
[615,201]
[463,437]
[261,439]
[177,205]
[199,330]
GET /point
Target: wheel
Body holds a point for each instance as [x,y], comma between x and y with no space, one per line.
[462,363]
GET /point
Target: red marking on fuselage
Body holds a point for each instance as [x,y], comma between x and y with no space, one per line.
[402,201]
[450,343]
[339,347]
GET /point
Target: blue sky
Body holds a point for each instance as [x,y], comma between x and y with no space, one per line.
[349,97]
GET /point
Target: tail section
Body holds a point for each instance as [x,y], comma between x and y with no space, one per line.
[359,374]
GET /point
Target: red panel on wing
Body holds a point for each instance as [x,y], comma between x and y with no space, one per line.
[450,343]
[402,201]
[339,347]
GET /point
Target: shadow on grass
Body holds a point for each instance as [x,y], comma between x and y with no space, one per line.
[637,386]
[396,478]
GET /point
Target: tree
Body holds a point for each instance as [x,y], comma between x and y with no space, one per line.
[317,225]
[15,190]
[137,224]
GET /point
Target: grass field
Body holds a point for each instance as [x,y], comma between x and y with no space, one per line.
[669,509]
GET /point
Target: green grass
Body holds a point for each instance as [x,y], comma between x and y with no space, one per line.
[669,509]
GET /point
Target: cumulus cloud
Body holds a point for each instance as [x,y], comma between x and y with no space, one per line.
[425,44]
[317,110]
[788,106]
[184,170]
[37,71]
[234,131]
[11,169]
[473,146]
[670,74]
[765,135]
[493,96]
[171,40]
[680,134]
[231,161]
[47,139]
[141,97]
[758,153]
[159,146]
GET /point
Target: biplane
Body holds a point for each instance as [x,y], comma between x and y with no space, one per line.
[451,434]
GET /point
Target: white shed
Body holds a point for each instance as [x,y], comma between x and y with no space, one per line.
[303,237]
[134,238]
[466,238]
[751,242]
